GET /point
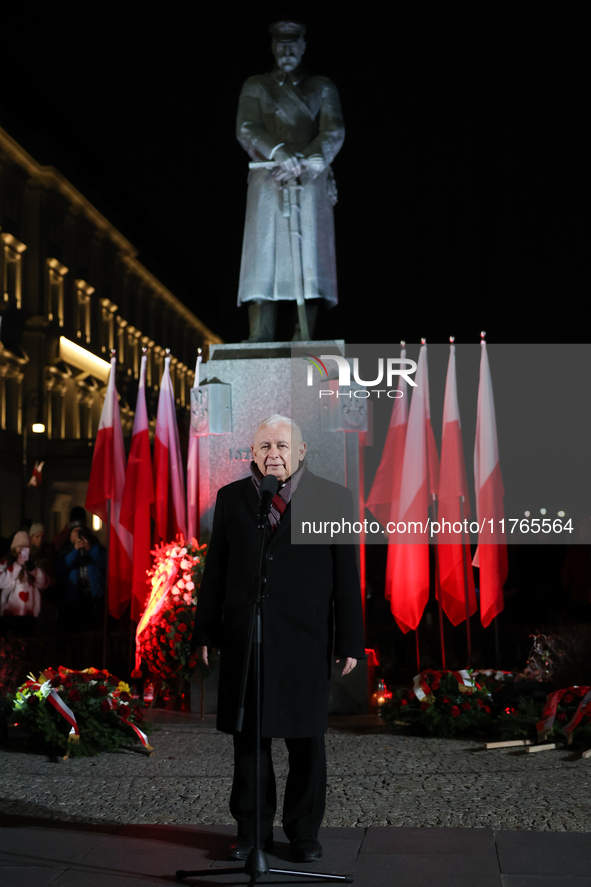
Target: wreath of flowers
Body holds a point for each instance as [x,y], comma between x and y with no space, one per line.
[164,642]
[446,703]
[571,719]
[443,703]
[86,712]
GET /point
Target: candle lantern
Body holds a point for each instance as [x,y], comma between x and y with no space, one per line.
[382,694]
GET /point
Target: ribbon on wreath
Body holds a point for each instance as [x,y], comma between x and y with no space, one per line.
[546,722]
[58,703]
[422,689]
[583,709]
[140,734]
[495,673]
[465,681]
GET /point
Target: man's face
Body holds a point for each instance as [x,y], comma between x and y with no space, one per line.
[275,449]
[288,54]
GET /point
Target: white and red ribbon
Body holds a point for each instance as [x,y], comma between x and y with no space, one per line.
[58,703]
[583,709]
[464,678]
[546,722]
[141,736]
[422,688]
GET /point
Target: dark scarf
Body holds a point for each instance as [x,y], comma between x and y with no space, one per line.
[282,498]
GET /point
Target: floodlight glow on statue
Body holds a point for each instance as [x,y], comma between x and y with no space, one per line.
[291,126]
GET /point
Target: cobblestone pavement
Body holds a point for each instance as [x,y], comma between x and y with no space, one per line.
[374,778]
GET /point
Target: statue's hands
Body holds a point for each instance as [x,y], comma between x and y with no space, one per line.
[290,165]
[315,163]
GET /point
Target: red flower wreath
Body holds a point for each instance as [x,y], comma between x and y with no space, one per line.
[164,644]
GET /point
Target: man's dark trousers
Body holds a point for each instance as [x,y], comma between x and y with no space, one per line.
[305,790]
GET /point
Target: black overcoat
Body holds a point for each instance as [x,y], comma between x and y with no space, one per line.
[313,608]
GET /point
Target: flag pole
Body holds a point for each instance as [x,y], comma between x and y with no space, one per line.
[423,342]
[490,443]
[193,465]
[438,588]
[497,651]
[197,454]
[132,622]
[106,594]
[466,596]
[132,628]
[362,567]
[135,509]
[108,546]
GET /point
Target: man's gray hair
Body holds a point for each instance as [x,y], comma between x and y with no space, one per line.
[277,419]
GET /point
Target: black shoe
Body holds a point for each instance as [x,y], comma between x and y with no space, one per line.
[305,848]
[242,847]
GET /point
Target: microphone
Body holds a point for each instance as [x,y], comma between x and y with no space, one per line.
[267,489]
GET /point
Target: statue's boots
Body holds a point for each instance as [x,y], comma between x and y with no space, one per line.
[311,316]
[262,317]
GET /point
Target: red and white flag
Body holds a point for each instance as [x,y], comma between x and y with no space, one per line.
[453,487]
[36,478]
[138,498]
[384,495]
[407,569]
[193,470]
[491,554]
[107,479]
[169,481]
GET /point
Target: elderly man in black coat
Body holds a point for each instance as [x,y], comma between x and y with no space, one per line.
[312,609]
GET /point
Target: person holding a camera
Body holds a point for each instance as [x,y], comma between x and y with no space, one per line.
[84,563]
[21,584]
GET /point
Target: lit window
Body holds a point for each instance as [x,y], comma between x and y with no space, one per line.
[121,341]
[83,293]
[133,342]
[55,290]
[11,258]
[107,337]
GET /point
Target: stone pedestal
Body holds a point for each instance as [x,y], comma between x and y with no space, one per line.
[210,690]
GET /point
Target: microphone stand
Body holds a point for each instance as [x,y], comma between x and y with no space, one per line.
[256,863]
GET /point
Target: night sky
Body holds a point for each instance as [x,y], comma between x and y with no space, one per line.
[460,200]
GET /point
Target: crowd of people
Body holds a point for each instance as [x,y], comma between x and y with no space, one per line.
[52,586]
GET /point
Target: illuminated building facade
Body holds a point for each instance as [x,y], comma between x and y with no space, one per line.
[72,289]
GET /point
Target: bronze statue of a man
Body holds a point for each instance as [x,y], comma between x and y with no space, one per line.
[293,121]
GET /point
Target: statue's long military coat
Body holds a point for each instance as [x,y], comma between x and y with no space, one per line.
[305,114]
[313,607]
